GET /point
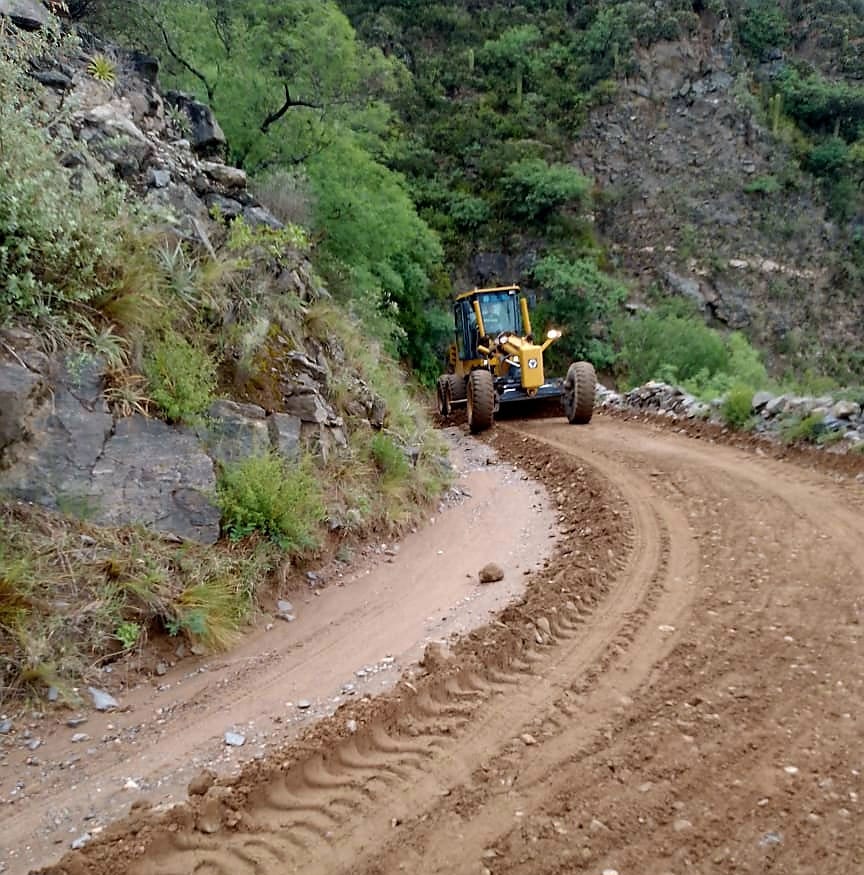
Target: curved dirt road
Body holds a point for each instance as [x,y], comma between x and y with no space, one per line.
[680,690]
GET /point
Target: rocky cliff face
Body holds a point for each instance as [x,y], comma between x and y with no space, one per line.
[61,445]
[678,158]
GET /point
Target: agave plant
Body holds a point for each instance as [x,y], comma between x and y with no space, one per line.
[102,69]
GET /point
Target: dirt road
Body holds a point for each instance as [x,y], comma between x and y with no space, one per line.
[679,690]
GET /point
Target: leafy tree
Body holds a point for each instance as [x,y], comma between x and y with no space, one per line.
[761,26]
[376,248]
[581,300]
[533,189]
[282,75]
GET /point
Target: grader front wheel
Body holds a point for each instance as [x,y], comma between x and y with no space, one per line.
[578,398]
[481,401]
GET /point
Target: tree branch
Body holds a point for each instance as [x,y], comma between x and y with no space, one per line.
[289,103]
[184,63]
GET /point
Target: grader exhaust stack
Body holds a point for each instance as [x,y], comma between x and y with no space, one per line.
[495,360]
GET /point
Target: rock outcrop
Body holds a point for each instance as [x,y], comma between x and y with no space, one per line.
[837,423]
[61,445]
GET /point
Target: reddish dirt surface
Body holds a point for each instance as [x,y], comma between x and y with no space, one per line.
[679,690]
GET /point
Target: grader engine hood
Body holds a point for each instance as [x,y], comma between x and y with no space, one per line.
[528,356]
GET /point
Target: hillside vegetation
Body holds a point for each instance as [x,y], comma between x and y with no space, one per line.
[104,280]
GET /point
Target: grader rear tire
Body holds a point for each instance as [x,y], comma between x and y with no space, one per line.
[481,401]
[458,388]
[579,387]
[444,395]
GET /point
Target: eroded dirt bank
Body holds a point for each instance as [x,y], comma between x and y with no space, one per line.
[680,690]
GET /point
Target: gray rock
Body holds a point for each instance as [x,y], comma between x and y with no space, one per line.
[102,701]
[846,410]
[68,436]
[687,287]
[26,14]
[235,432]
[74,722]
[21,391]
[205,136]
[228,207]
[181,203]
[257,216]
[285,434]
[80,842]
[159,178]
[54,79]
[158,476]
[5,727]
[760,400]
[310,407]
[284,607]
[53,694]
[303,704]
[78,737]
[491,573]
[235,739]
[230,177]
[776,405]
[146,66]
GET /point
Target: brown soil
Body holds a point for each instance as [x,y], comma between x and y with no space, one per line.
[679,690]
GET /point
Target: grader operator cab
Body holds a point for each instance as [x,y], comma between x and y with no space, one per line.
[495,360]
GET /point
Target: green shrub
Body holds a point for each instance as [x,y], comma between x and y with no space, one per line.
[678,344]
[807,428]
[672,344]
[762,25]
[58,243]
[182,377]
[389,458]
[828,158]
[738,406]
[534,189]
[578,298]
[763,185]
[264,494]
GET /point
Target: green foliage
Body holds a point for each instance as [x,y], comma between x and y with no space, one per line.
[284,503]
[181,375]
[128,634]
[821,105]
[102,69]
[762,25]
[56,242]
[581,300]
[802,429]
[284,76]
[828,158]
[737,407]
[765,185]
[673,343]
[389,458]
[378,253]
[533,189]
[118,589]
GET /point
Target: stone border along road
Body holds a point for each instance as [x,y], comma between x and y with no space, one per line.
[678,691]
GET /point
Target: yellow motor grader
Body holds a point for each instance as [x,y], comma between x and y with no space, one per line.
[496,360]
